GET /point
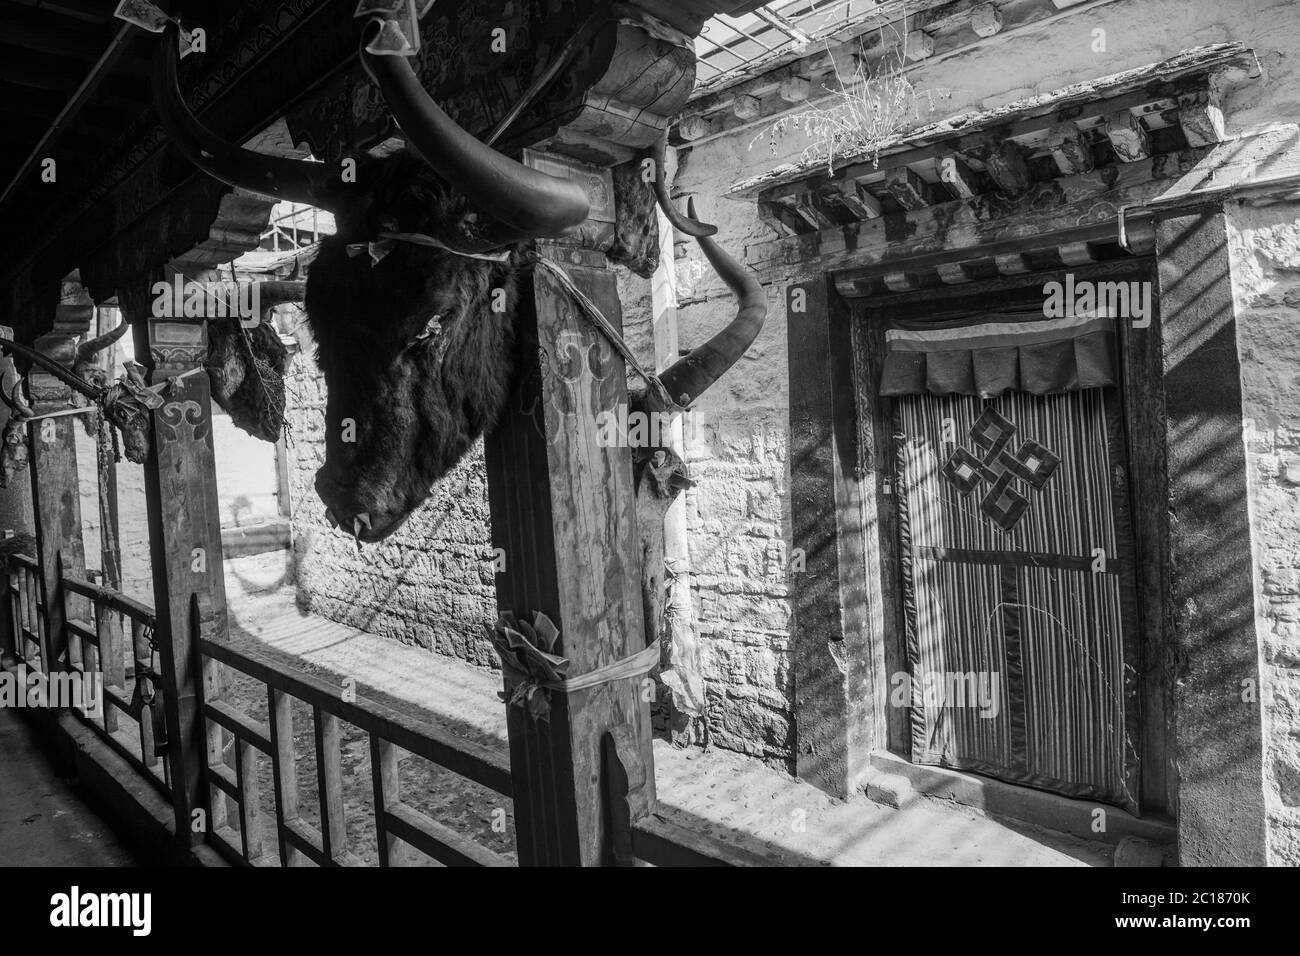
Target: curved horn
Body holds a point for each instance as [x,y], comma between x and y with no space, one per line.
[15,400]
[295,180]
[691,226]
[531,203]
[54,368]
[274,292]
[689,377]
[89,349]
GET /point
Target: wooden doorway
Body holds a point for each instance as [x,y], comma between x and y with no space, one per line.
[1010,569]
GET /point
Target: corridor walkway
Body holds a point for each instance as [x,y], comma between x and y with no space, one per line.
[43,820]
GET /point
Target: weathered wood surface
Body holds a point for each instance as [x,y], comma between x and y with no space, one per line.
[185,551]
[57,501]
[1073,209]
[827,570]
[563,513]
[1037,113]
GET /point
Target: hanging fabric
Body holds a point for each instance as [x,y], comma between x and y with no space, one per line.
[992,353]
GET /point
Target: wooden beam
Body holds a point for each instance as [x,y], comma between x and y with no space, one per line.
[1076,253]
[855,197]
[958,177]
[794,89]
[910,190]
[1072,209]
[1201,117]
[986,20]
[1128,137]
[1069,149]
[919,45]
[746,107]
[1002,159]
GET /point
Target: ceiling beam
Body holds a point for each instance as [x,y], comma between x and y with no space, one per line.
[44,32]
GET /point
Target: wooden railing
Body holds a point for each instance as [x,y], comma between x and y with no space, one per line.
[130,696]
[25,631]
[642,830]
[398,825]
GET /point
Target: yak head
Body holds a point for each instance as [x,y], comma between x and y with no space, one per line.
[412,301]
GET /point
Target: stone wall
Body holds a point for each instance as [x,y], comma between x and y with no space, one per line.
[1265,244]
[430,583]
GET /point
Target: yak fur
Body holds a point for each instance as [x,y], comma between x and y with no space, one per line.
[417,348]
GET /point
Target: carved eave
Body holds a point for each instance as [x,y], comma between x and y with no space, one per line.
[1123,140]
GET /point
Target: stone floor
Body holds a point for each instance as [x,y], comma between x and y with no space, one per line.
[43,820]
[736,798]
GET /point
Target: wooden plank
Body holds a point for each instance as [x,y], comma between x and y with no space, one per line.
[108,629]
[563,512]
[223,778]
[1144,404]
[244,728]
[438,841]
[422,737]
[329,782]
[667,837]
[388,793]
[284,770]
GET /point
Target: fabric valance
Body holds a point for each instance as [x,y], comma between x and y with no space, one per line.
[995,352]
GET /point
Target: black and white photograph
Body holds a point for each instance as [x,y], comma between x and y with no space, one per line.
[820,434]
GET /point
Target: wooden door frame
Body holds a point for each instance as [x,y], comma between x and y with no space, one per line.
[1141,463]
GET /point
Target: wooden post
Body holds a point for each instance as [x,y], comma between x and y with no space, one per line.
[563,514]
[185,548]
[56,496]
[1218,720]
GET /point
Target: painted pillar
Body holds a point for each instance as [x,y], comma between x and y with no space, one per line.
[563,516]
[185,544]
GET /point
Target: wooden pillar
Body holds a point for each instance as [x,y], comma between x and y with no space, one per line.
[184,545]
[833,693]
[563,514]
[56,495]
[1218,721]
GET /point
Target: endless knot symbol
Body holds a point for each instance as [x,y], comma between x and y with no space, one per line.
[1033,464]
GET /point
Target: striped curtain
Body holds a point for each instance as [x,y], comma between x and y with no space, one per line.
[1015,626]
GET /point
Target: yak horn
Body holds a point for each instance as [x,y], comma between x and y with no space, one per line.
[689,377]
[274,292]
[15,400]
[531,204]
[276,177]
[691,226]
[89,349]
[54,368]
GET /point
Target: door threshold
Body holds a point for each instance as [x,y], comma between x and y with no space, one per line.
[1078,818]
